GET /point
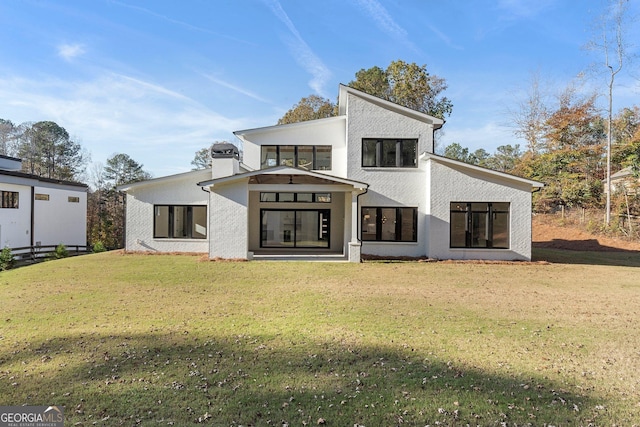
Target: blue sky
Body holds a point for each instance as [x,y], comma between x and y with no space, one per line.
[160,79]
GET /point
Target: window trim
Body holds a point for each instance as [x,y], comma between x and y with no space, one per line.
[398,228]
[9,199]
[314,155]
[314,197]
[399,149]
[490,215]
[170,219]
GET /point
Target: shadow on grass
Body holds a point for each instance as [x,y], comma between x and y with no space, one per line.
[176,379]
[593,254]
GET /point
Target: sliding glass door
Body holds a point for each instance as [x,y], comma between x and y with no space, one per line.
[294,228]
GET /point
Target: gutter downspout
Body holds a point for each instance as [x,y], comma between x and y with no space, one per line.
[33,220]
[206,190]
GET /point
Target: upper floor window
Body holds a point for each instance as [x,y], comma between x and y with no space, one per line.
[310,157]
[389,153]
[41,196]
[9,199]
[479,225]
[295,197]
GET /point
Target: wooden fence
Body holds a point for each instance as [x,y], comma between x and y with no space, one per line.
[31,254]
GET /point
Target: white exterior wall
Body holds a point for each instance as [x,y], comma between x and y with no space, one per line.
[388,187]
[15,224]
[449,184]
[140,214]
[59,221]
[228,221]
[320,132]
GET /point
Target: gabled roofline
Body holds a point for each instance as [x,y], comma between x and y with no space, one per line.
[342,106]
[246,132]
[441,159]
[283,170]
[2,156]
[127,187]
[33,177]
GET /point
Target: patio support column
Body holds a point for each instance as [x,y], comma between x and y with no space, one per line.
[354,243]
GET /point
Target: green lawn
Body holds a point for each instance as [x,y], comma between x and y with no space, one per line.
[174,340]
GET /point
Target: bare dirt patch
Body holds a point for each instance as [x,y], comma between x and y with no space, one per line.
[546,234]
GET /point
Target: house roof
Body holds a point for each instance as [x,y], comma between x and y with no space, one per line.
[17,177]
[286,171]
[168,178]
[346,90]
[317,122]
[459,164]
[622,173]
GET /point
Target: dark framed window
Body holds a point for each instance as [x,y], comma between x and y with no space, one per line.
[479,225]
[309,157]
[289,228]
[389,153]
[73,199]
[41,196]
[10,199]
[295,197]
[179,222]
[388,224]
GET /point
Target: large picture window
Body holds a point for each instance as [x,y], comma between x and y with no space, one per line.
[309,157]
[389,224]
[180,222]
[294,228]
[479,225]
[390,153]
[9,199]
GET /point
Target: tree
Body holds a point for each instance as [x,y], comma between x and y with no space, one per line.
[626,140]
[409,85]
[570,158]
[202,159]
[8,137]
[610,42]
[311,108]
[46,150]
[458,152]
[122,169]
[105,205]
[530,117]
[505,159]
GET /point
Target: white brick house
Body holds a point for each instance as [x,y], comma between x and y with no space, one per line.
[36,211]
[365,182]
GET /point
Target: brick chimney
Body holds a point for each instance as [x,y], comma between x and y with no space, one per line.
[225,160]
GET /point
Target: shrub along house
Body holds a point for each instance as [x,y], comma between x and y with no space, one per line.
[365,182]
[38,212]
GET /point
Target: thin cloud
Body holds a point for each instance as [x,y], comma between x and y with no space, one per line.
[177,22]
[442,36]
[70,51]
[236,88]
[518,9]
[384,21]
[117,113]
[302,53]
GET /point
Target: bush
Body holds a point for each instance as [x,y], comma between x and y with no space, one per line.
[60,252]
[6,258]
[99,247]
